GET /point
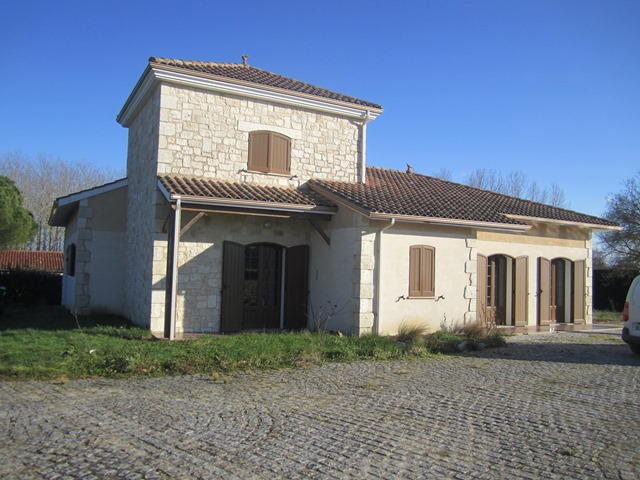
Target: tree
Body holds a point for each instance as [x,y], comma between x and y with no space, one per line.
[622,248]
[17,225]
[43,179]
[518,185]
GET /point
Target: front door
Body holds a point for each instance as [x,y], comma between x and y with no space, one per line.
[264,286]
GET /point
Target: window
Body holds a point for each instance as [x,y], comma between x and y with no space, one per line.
[269,152]
[422,271]
[71,260]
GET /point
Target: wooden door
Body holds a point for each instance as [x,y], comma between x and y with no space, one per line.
[296,288]
[232,287]
[262,287]
[544,280]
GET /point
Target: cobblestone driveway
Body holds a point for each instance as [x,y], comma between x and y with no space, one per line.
[562,405]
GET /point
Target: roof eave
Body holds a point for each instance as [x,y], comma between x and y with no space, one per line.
[155,74]
[247,204]
[592,226]
[63,207]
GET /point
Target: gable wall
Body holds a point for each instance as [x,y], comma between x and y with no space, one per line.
[207,134]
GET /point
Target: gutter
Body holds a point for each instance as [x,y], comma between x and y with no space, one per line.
[376,315]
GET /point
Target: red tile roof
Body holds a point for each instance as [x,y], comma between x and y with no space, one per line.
[395,192]
[31,260]
[246,73]
[207,189]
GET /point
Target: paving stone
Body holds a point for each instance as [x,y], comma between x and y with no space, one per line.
[556,405]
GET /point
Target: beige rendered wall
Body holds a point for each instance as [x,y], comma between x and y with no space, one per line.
[341,274]
[543,241]
[454,272]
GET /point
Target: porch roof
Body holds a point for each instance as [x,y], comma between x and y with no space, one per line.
[244,197]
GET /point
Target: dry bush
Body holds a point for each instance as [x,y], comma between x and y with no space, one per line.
[412,332]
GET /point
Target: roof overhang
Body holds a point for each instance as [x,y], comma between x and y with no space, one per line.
[63,207]
[591,226]
[249,207]
[449,222]
[154,75]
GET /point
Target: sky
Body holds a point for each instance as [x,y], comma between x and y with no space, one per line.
[550,88]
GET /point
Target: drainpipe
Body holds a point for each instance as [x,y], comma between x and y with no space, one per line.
[174,268]
[362,174]
[376,317]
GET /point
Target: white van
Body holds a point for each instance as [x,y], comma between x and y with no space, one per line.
[631,317]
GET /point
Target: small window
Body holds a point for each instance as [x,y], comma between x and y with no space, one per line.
[269,152]
[70,263]
[422,271]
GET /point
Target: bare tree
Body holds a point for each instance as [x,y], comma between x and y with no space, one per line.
[43,179]
[516,184]
[443,174]
[622,248]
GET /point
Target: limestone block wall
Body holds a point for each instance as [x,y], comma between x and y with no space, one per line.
[200,264]
[141,210]
[207,134]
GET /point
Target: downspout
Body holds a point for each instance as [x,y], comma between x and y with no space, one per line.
[362,173]
[376,317]
[174,268]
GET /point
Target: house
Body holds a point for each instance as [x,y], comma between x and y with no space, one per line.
[249,205]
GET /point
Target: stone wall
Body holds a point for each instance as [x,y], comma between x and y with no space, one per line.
[141,210]
[207,135]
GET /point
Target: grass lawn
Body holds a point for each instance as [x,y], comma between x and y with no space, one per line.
[607,317]
[49,343]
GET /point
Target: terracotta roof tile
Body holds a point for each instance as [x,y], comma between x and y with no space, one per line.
[246,73]
[31,260]
[214,189]
[396,192]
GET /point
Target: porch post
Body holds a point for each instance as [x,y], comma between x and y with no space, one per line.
[172,259]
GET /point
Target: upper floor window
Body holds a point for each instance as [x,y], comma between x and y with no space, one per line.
[269,152]
[422,271]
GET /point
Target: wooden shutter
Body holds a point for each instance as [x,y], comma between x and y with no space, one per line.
[279,154]
[481,294]
[579,291]
[521,291]
[544,290]
[232,287]
[421,271]
[296,291]
[259,151]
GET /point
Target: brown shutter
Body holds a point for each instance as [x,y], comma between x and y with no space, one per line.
[579,291]
[296,291]
[232,287]
[481,294]
[279,154]
[428,281]
[521,290]
[259,151]
[544,290]
[414,270]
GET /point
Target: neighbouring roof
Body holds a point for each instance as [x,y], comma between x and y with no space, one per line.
[394,193]
[215,192]
[31,260]
[246,73]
